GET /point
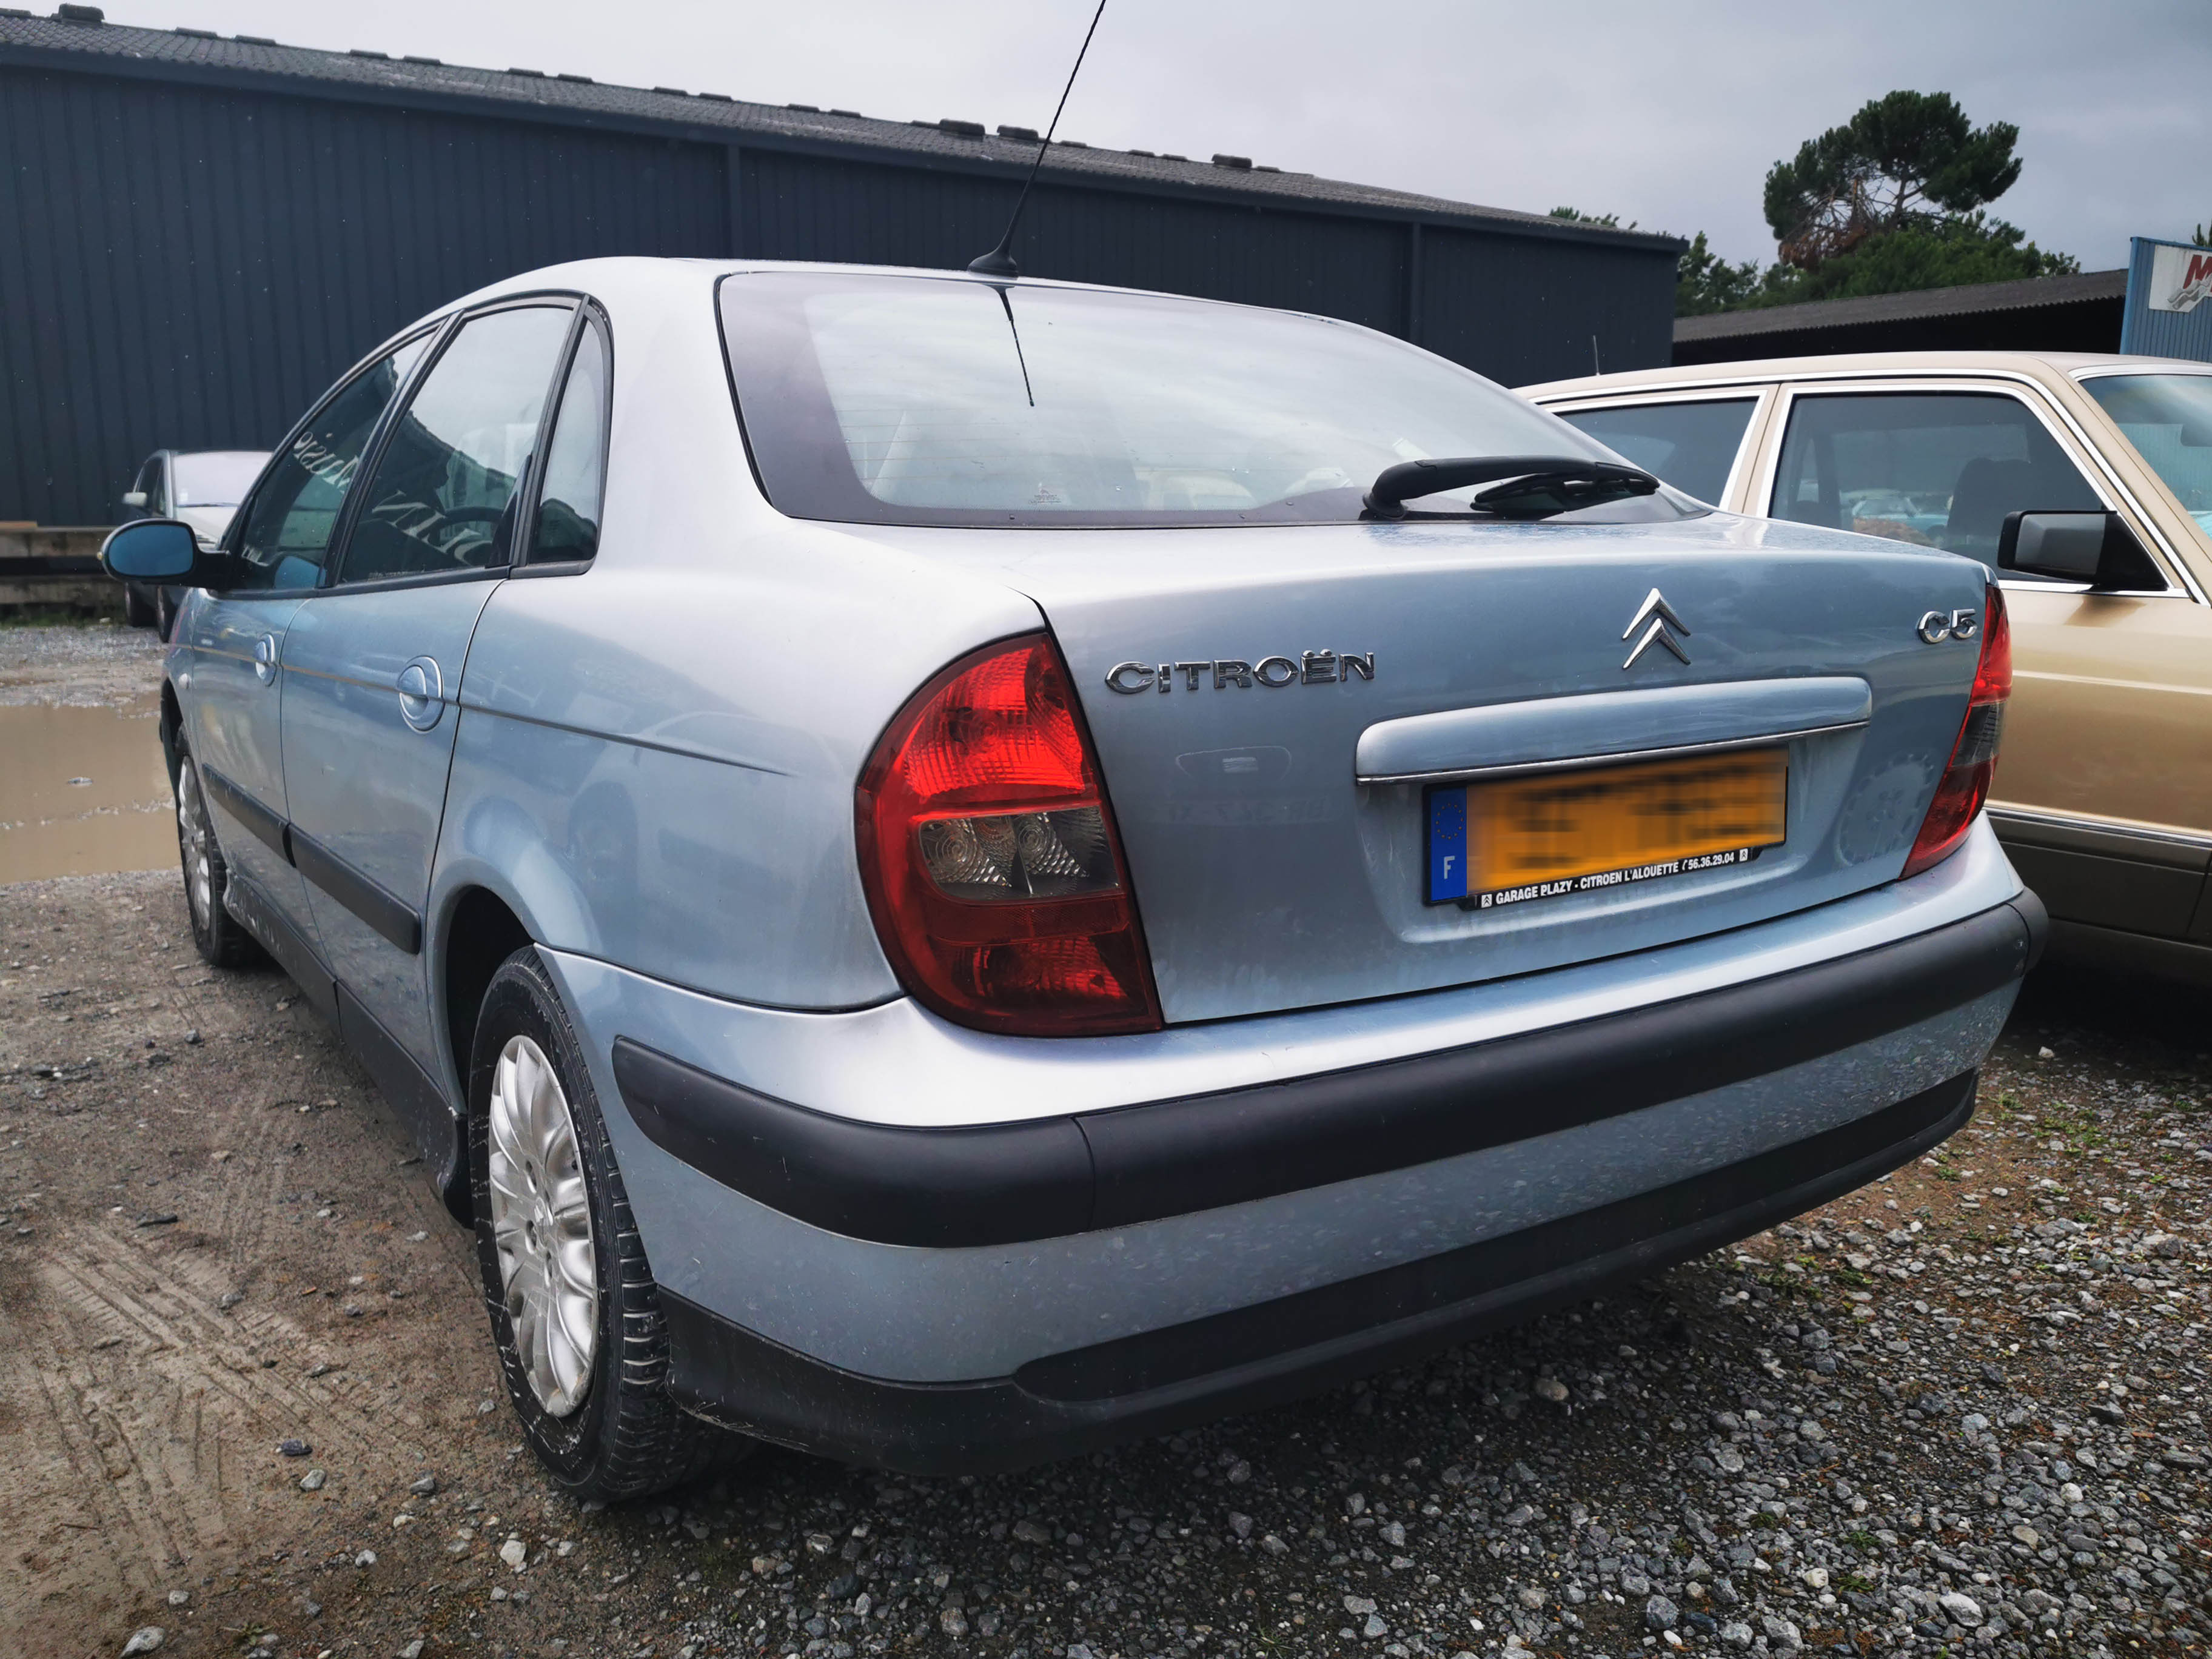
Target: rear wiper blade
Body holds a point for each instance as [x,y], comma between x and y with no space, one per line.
[1527,486]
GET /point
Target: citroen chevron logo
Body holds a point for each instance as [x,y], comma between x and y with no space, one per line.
[1660,624]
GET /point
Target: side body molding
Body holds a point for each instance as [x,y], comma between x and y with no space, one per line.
[389,915]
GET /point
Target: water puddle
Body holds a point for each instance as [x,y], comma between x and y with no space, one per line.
[82,792]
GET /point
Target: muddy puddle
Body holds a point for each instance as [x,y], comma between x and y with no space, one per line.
[82,792]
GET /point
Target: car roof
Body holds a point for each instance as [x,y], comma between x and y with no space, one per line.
[2037,364]
[624,279]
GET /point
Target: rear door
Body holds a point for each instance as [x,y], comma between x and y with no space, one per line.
[1704,442]
[372,669]
[2104,746]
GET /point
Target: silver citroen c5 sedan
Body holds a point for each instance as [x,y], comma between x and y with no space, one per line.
[952,870]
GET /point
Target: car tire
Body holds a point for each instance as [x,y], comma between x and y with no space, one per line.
[215,933]
[165,614]
[138,610]
[575,1315]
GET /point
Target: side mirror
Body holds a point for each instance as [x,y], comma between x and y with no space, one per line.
[164,551]
[2096,547]
[134,498]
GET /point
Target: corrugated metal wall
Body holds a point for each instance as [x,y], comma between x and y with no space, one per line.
[2186,334]
[800,206]
[187,266]
[1522,310]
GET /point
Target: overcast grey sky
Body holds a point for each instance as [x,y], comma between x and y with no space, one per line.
[1668,115]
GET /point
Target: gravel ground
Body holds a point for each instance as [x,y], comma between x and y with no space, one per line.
[87,664]
[1957,1411]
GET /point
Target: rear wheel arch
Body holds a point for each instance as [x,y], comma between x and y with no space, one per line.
[481,931]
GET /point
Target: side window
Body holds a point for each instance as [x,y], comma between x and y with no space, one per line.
[1692,446]
[446,487]
[567,523]
[1936,469]
[287,534]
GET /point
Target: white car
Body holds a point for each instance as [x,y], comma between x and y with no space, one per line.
[198,487]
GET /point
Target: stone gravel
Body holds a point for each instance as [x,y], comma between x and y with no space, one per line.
[98,663]
[1956,1413]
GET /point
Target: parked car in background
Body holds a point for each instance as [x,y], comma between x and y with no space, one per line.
[2104,797]
[949,871]
[201,488]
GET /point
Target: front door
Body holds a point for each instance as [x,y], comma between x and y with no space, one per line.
[231,702]
[235,641]
[372,677]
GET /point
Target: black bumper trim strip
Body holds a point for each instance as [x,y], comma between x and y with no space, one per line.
[389,915]
[932,1187]
[1068,1405]
[267,827]
[1009,1183]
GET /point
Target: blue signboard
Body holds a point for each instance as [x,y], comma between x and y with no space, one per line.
[2169,306]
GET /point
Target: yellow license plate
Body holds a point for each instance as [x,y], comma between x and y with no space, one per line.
[1552,833]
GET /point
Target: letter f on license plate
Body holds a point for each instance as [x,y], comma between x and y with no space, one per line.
[1447,845]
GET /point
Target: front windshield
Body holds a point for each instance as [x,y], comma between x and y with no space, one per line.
[2168,418]
[916,400]
[216,477]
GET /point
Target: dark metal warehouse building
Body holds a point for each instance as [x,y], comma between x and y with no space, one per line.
[197,234]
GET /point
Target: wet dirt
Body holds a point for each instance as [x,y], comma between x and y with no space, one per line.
[83,790]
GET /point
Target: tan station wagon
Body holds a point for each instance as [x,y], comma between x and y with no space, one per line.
[2103,796]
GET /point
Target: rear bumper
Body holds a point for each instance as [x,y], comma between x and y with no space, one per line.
[1227,1251]
[1051,1177]
[1078,1401]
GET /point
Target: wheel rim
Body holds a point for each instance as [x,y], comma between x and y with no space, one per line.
[197,845]
[541,1225]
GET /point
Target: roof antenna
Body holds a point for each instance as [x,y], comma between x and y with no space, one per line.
[999,263]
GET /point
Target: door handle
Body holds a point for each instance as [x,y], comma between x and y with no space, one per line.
[421,694]
[265,659]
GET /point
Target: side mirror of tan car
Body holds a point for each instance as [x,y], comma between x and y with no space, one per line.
[2096,547]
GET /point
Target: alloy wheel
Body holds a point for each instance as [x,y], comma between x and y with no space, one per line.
[197,843]
[541,1225]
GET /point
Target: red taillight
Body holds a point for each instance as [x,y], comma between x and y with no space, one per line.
[1965,782]
[989,855]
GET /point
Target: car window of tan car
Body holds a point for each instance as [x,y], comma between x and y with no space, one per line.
[1692,444]
[1935,468]
[2107,723]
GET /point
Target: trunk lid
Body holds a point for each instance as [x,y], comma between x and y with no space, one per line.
[1270,876]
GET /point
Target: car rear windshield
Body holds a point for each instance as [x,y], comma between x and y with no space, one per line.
[918,400]
[216,477]
[2168,418]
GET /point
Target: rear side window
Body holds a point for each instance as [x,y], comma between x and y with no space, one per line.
[567,523]
[287,536]
[447,485]
[1936,469]
[1692,446]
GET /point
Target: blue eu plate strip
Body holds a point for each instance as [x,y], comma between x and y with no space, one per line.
[1447,844]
